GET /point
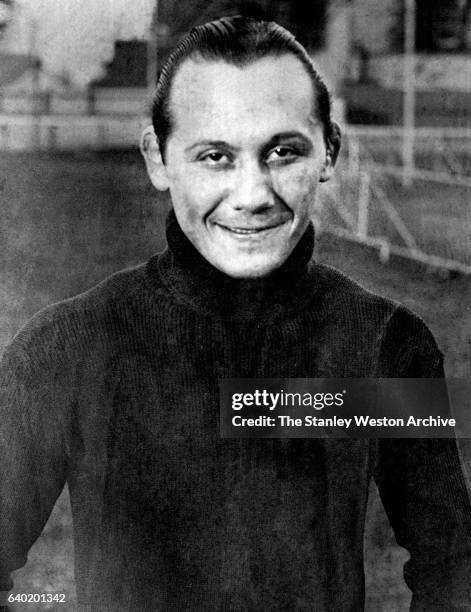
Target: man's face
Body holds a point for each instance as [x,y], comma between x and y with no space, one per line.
[244,160]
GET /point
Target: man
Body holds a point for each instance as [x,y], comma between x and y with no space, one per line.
[116,391]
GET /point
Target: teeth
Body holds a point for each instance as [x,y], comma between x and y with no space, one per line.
[246,230]
[239,230]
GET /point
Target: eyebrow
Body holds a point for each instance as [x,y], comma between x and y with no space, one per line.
[281,138]
[210,143]
[274,141]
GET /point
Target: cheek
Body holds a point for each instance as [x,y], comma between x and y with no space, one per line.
[196,188]
[187,196]
[191,215]
[297,187]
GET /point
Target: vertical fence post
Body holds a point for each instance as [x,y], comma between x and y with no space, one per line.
[101,135]
[5,130]
[353,152]
[363,204]
[52,137]
[152,49]
[409,93]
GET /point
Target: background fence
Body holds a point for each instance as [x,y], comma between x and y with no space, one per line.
[67,133]
[428,220]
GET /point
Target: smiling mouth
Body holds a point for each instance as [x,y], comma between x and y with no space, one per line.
[244,231]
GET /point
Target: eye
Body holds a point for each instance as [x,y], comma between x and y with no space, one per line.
[282,155]
[216,159]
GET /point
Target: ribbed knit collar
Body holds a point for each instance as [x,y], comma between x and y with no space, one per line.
[194,281]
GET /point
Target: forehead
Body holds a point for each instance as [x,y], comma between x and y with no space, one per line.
[218,99]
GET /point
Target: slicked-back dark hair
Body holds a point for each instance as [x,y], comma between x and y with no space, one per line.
[238,41]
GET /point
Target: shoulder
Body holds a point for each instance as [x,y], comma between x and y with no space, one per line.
[345,297]
[402,341]
[342,293]
[63,327]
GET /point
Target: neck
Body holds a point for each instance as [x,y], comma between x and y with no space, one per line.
[195,281]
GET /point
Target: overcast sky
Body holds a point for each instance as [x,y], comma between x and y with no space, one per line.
[77,35]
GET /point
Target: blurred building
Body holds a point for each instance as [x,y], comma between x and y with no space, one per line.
[123,87]
[18,71]
[25,87]
[128,66]
[373,87]
[355,44]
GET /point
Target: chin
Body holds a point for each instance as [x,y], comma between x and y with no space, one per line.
[251,269]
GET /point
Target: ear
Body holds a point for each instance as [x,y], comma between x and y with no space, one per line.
[332,152]
[155,165]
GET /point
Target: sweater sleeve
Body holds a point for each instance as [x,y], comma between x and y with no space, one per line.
[33,441]
[422,485]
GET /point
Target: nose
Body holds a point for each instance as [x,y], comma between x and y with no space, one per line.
[252,189]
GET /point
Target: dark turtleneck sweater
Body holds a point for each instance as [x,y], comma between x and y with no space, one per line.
[116,393]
